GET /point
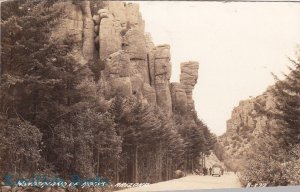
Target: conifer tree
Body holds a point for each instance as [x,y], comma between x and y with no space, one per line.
[287,100]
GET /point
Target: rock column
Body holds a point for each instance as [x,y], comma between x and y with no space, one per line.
[188,79]
[88,46]
[162,74]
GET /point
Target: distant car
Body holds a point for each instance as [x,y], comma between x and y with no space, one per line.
[216,171]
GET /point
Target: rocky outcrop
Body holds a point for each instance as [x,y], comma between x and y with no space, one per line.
[77,24]
[246,116]
[162,74]
[113,34]
[70,26]
[114,23]
[109,39]
[149,66]
[134,44]
[117,65]
[88,46]
[116,74]
[247,123]
[188,79]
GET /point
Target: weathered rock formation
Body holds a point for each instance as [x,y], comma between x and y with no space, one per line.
[88,46]
[114,35]
[147,66]
[188,78]
[162,75]
[77,24]
[247,123]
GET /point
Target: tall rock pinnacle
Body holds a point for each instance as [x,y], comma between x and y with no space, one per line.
[131,64]
[188,79]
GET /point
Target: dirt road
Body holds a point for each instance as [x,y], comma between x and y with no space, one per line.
[228,180]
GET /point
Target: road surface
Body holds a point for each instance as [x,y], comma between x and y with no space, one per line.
[228,180]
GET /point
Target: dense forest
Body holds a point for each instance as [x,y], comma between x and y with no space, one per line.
[55,119]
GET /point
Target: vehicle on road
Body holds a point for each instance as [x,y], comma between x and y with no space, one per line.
[216,170]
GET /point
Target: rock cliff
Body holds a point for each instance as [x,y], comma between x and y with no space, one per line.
[247,123]
[112,33]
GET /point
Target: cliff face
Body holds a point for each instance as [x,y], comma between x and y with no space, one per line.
[113,34]
[247,124]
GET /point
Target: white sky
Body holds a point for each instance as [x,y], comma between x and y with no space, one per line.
[238,45]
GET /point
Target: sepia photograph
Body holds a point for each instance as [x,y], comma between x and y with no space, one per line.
[144,96]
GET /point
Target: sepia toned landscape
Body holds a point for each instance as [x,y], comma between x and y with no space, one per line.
[87,99]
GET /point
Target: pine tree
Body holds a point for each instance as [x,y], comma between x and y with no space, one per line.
[39,83]
[287,99]
[26,54]
[86,143]
[269,157]
[20,146]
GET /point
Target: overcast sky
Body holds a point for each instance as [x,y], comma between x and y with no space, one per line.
[238,45]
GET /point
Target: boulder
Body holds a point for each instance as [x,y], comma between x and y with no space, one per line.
[102,11]
[133,16]
[104,15]
[140,67]
[126,13]
[162,63]
[189,75]
[117,65]
[118,9]
[136,44]
[96,19]
[162,52]
[162,67]
[110,39]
